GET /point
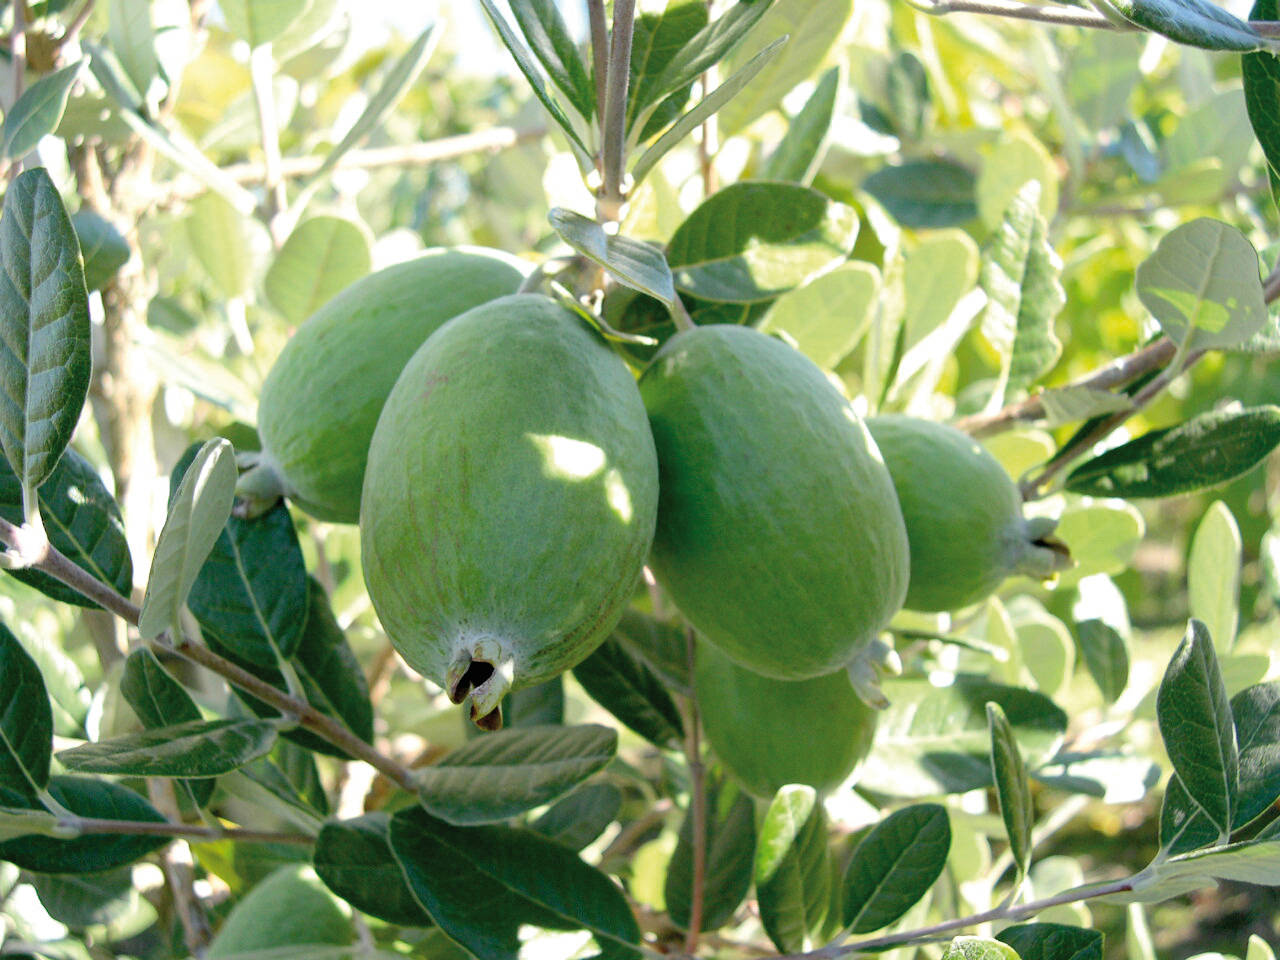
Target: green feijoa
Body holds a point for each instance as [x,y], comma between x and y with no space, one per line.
[769,733]
[322,397]
[779,534]
[963,514]
[509,501]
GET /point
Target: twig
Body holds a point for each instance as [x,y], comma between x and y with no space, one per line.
[698,801]
[1021,11]
[147,828]
[178,874]
[261,69]
[1115,374]
[76,25]
[609,203]
[51,561]
[599,54]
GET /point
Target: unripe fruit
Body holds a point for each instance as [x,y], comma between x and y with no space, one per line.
[321,400]
[290,908]
[509,501]
[963,514]
[769,733]
[779,535]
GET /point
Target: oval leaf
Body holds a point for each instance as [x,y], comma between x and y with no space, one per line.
[1260,73]
[1196,724]
[158,700]
[632,263]
[26,720]
[556,50]
[502,774]
[799,154]
[1256,712]
[104,248]
[978,948]
[1213,575]
[354,859]
[44,317]
[625,686]
[197,513]
[793,868]
[923,194]
[1013,788]
[1197,23]
[730,851]
[38,112]
[1207,450]
[1183,825]
[895,865]
[578,819]
[321,257]
[828,315]
[199,748]
[1106,655]
[1052,941]
[480,884]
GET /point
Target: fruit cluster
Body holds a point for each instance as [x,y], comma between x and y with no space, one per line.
[512,477]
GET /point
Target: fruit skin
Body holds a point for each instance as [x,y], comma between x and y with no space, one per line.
[769,733]
[963,515]
[321,400]
[779,535]
[509,501]
[289,908]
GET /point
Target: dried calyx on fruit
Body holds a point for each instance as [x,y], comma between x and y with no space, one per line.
[509,500]
[963,514]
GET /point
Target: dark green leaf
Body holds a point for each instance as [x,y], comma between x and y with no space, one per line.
[923,194]
[299,767]
[1260,73]
[1052,941]
[1253,861]
[1196,725]
[198,508]
[553,45]
[251,593]
[793,868]
[354,859]
[480,884]
[1207,450]
[730,852]
[1013,788]
[538,705]
[81,519]
[656,38]
[799,154]
[1106,655]
[895,865]
[1256,712]
[579,818]
[907,94]
[659,644]
[633,263]
[1183,825]
[44,306]
[1197,23]
[37,112]
[26,721]
[750,242]
[503,774]
[158,700]
[104,248]
[322,256]
[92,798]
[199,748]
[86,900]
[622,684]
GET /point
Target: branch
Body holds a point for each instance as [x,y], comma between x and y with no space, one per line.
[50,560]
[599,54]
[147,828]
[1020,11]
[74,28]
[614,131]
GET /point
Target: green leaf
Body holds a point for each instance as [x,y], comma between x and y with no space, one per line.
[81,519]
[104,248]
[1183,825]
[354,859]
[197,513]
[1252,861]
[1197,23]
[978,948]
[1013,788]
[750,242]
[158,700]
[925,194]
[1256,712]
[1213,574]
[1260,73]
[661,645]
[810,28]
[580,818]
[524,60]
[1018,159]
[631,262]
[708,106]
[1196,724]
[69,697]
[260,21]
[219,237]
[1106,655]
[502,774]
[198,748]
[480,884]
[940,270]
[38,112]
[802,148]
[656,38]
[1020,274]
[251,594]
[1071,404]
[622,684]
[1202,285]
[1102,537]
[935,740]
[1259,949]
[132,38]
[895,865]
[1205,451]
[1052,941]
[730,852]
[793,868]
[26,720]
[87,901]
[828,315]
[553,45]
[396,84]
[44,366]
[322,256]
[92,798]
